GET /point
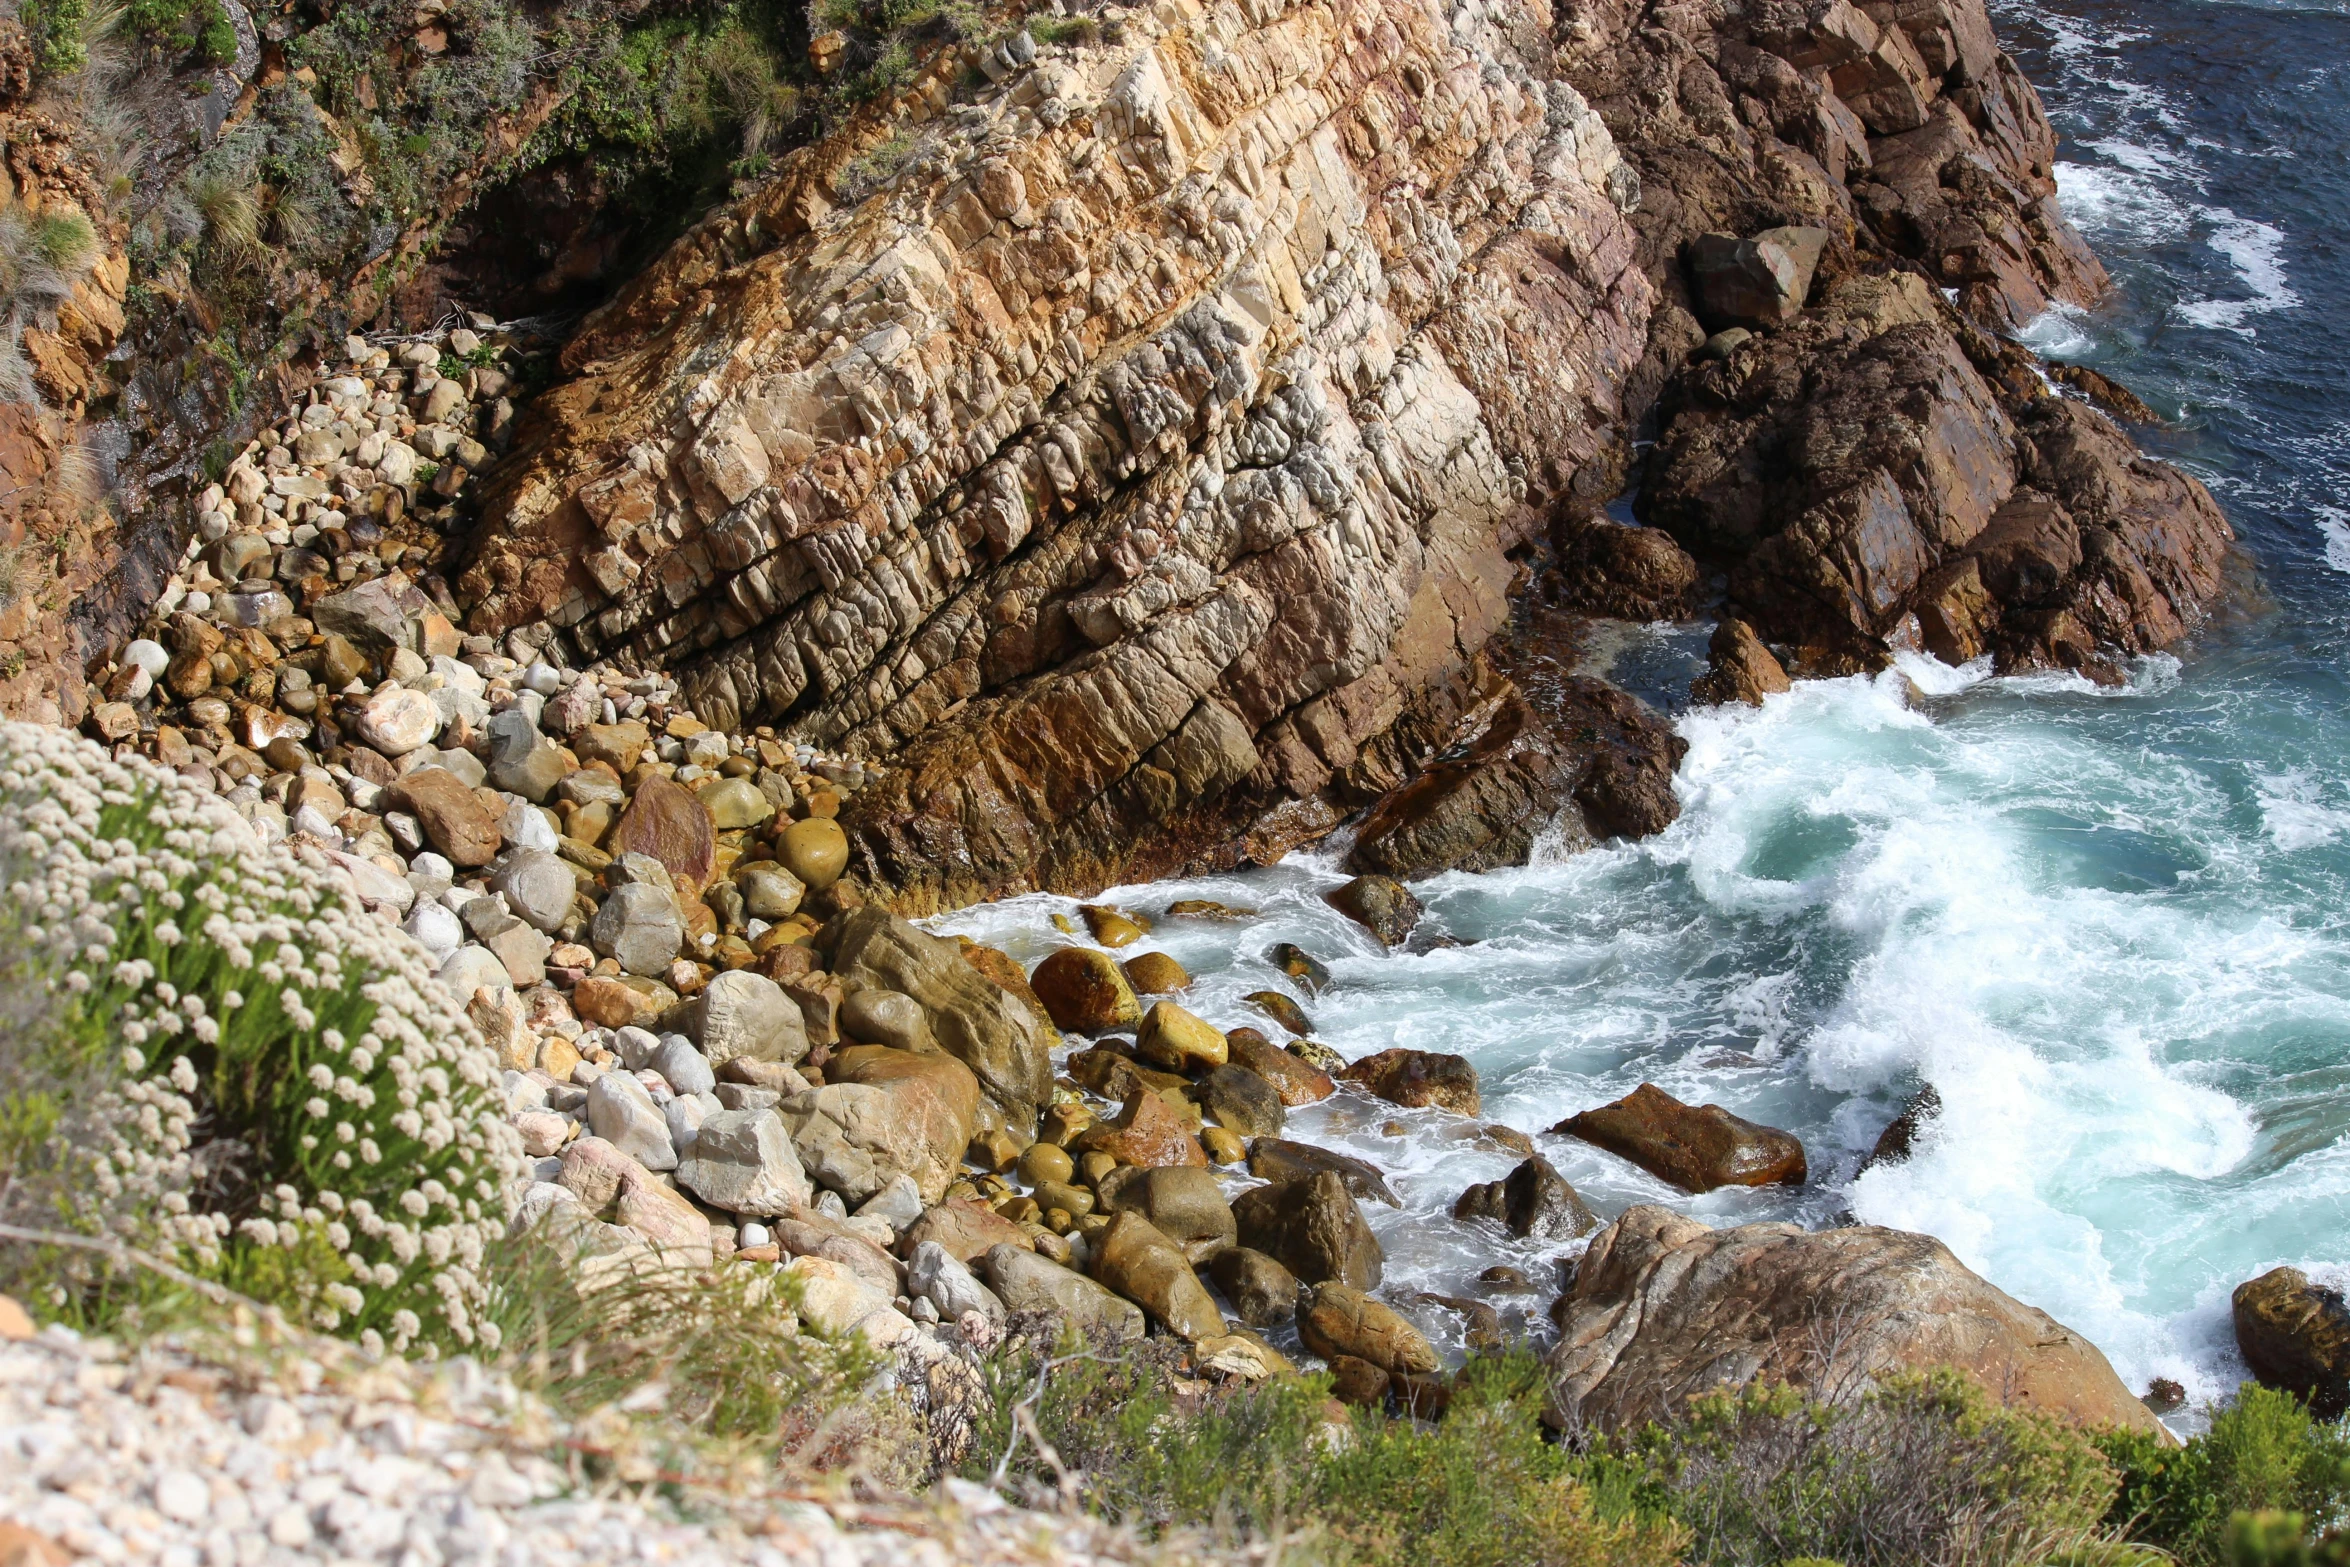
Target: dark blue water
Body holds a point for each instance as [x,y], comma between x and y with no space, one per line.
[2113,928]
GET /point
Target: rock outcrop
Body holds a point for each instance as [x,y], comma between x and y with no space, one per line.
[2295,1335]
[1663,1307]
[1126,467]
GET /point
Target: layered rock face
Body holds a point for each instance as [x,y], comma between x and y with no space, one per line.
[1882,469]
[1129,467]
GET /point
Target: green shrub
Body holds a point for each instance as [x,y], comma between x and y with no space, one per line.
[1114,1432]
[59,32]
[184,26]
[2263,1453]
[289,1104]
[1926,1469]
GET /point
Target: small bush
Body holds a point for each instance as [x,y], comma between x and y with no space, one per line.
[287,1102]
[2264,1453]
[876,166]
[1926,1470]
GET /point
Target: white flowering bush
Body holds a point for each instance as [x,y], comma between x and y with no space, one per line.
[290,1105]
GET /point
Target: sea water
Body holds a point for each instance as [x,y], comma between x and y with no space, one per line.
[2111,927]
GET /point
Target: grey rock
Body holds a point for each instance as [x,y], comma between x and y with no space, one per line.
[635,1046]
[622,1113]
[746,1096]
[769,891]
[638,927]
[685,1115]
[538,887]
[682,1066]
[471,968]
[933,1274]
[522,951]
[523,761]
[899,1203]
[740,1013]
[743,1162]
[1024,1281]
[378,615]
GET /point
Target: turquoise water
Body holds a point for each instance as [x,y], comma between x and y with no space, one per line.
[2110,926]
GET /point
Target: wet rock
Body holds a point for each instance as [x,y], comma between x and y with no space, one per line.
[976,1021]
[1132,1258]
[1662,1307]
[1697,1148]
[2295,1335]
[1184,1203]
[1381,905]
[1342,1320]
[1155,974]
[1263,1292]
[637,926]
[1356,1381]
[1313,1228]
[1179,1041]
[666,822]
[1027,1282]
[1278,1160]
[1301,966]
[742,1161]
[1480,1324]
[1282,1010]
[1534,1202]
[1900,1135]
[1625,573]
[1241,1101]
[1085,991]
[740,1015]
[1740,668]
[1109,926]
[1146,1132]
[1295,1080]
[1208,909]
[1417,1078]
[1317,1055]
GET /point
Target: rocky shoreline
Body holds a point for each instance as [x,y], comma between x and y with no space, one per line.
[1137,482]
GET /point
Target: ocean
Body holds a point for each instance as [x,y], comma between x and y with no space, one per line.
[2112,927]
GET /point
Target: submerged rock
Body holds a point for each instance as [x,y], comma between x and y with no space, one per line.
[1381,905]
[1417,1078]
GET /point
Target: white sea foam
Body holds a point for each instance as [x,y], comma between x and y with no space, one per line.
[1990,894]
[2295,808]
[2333,525]
[2256,251]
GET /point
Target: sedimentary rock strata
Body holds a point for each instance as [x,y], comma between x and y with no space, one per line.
[1129,465]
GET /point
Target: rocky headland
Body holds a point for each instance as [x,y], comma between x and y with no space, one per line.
[1129,449]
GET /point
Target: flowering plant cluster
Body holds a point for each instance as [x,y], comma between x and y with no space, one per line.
[294,1107]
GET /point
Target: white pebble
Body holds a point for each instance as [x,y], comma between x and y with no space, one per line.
[180,1495]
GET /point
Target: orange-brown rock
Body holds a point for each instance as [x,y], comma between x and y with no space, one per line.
[453,817]
[1415,1078]
[1696,1147]
[1147,1132]
[1297,1082]
[667,821]
[1663,1307]
[1085,991]
[967,1230]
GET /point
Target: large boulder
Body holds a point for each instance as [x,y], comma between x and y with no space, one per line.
[881,1114]
[1343,1320]
[1134,1259]
[1147,1132]
[1279,1160]
[976,1021]
[1663,1307]
[964,1230]
[1296,1080]
[1533,1202]
[742,1161]
[1260,1289]
[1086,991]
[745,1016]
[1417,1078]
[1313,1228]
[1696,1147]
[1242,1102]
[1179,1040]
[1184,1202]
[666,821]
[2295,1335]
[1380,904]
[1024,1281]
